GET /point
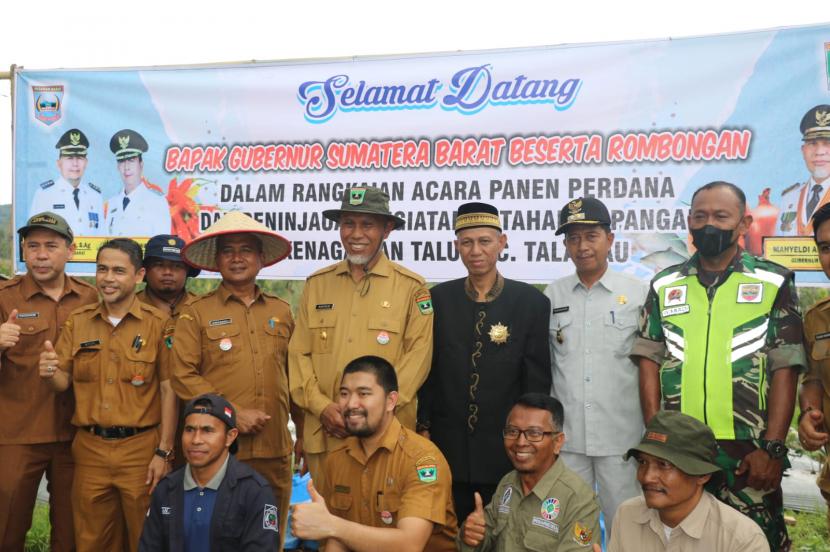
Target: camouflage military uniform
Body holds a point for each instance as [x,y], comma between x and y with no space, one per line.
[768,339]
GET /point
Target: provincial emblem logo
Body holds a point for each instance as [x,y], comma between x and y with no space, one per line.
[48,103]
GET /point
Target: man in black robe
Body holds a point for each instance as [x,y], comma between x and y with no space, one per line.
[490,347]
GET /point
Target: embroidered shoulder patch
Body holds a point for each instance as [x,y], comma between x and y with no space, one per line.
[270,519]
[427,473]
[424,303]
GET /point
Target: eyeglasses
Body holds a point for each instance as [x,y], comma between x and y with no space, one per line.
[532,435]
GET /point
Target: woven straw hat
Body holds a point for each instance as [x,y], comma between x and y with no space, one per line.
[201,252]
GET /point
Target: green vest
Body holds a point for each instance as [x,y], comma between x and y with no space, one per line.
[716,367]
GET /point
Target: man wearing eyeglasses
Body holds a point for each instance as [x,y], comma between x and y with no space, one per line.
[541,505]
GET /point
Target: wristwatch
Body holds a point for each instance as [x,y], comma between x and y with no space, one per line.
[167,455]
[775,448]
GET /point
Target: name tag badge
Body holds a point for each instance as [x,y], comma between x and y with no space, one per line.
[28,315]
[671,311]
[324,306]
[88,344]
[557,310]
[220,322]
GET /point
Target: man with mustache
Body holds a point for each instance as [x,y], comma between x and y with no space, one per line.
[800,201]
[541,505]
[388,488]
[675,460]
[215,502]
[233,342]
[364,304]
[166,275]
[35,429]
[720,339]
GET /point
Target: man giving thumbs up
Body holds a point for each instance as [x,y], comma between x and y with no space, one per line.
[405,476]
[35,433]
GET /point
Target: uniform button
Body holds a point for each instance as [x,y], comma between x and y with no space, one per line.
[587,351]
[587,405]
[105,406]
[349,340]
[588,324]
[588,378]
[31,328]
[198,508]
[201,493]
[109,380]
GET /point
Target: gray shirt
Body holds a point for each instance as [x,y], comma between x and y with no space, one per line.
[591,333]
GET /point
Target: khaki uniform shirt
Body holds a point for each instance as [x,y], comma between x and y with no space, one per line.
[31,411]
[116,370]
[560,514]
[407,476]
[711,526]
[175,308]
[817,343]
[239,352]
[387,314]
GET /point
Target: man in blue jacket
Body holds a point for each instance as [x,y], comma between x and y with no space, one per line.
[214,502]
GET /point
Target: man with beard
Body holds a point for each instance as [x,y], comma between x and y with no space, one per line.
[365,304]
[541,505]
[388,488]
[35,429]
[166,275]
[720,339]
[233,342]
[491,346]
[800,201]
[214,502]
[113,355]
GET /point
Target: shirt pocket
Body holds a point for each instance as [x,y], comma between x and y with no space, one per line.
[341,502]
[385,331]
[222,344]
[390,502]
[559,329]
[279,335]
[85,362]
[620,331]
[30,333]
[321,325]
[820,355]
[139,366]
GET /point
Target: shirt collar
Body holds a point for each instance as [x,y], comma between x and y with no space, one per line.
[225,294]
[382,268]
[693,525]
[134,310]
[389,441]
[30,288]
[692,266]
[608,281]
[491,295]
[215,481]
[544,485]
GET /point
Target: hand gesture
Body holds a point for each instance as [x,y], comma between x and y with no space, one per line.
[9,331]
[48,364]
[474,525]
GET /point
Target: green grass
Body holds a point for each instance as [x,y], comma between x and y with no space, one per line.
[809,534]
[37,539]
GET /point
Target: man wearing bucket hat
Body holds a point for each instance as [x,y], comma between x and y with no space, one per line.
[215,502]
[363,305]
[593,322]
[166,274]
[675,460]
[78,202]
[140,208]
[234,342]
[491,346]
[35,429]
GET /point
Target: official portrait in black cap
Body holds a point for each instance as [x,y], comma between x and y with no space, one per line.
[140,208]
[79,203]
[490,347]
[799,201]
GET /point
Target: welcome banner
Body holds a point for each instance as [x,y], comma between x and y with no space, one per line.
[639,125]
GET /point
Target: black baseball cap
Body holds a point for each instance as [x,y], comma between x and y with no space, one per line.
[216,406]
[169,248]
[583,210]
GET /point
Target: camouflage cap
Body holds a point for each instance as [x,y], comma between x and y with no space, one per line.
[815,125]
[49,221]
[583,210]
[365,200]
[680,439]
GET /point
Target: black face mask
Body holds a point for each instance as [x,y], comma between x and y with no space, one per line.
[711,241]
